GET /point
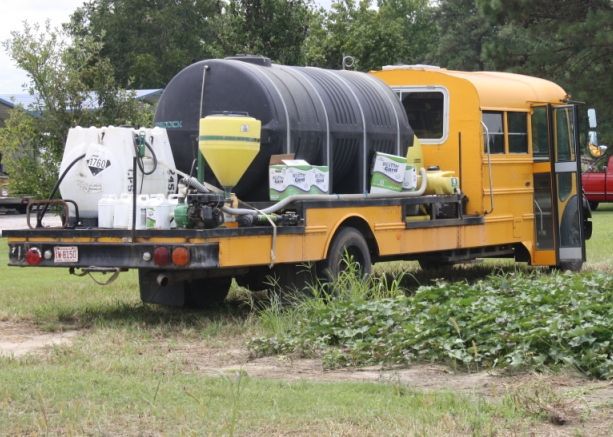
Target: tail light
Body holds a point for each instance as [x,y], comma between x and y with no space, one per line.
[33,256]
[180,256]
[161,256]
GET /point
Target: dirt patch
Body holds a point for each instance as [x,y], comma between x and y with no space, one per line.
[568,404]
[563,404]
[232,357]
[18,339]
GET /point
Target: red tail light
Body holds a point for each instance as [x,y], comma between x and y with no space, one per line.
[33,256]
[161,256]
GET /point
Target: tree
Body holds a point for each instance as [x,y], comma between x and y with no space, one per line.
[273,28]
[69,79]
[463,32]
[149,41]
[568,41]
[398,31]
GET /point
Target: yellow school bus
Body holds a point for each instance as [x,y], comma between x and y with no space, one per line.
[510,140]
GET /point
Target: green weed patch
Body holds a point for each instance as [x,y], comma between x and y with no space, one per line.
[516,320]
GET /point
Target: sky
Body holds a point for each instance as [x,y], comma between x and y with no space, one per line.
[14,12]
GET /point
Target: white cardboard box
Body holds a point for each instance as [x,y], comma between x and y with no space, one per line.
[388,173]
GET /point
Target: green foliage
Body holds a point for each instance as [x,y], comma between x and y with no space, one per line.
[568,41]
[463,32]
[273,28]
[66,77]
[514,320]
[399,31]
[148,42]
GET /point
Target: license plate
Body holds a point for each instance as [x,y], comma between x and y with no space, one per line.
[65,254]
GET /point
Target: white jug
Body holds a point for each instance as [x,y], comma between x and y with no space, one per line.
[122,211]
[173,199]
[142,202]
[153,213]
[106,206]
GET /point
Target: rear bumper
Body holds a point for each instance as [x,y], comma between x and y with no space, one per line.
[123,256]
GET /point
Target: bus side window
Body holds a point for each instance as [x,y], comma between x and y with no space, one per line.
[518,132]
[495,129]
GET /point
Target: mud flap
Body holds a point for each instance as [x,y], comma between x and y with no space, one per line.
[172,294]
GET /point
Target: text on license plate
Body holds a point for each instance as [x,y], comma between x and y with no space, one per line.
[65,254]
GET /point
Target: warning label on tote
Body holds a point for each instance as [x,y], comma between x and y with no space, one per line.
[97,162]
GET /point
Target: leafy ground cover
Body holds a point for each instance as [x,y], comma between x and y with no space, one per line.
[480,317]
[518,320]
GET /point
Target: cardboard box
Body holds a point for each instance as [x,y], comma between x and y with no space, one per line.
[288,177]
[387,173]
[320,179]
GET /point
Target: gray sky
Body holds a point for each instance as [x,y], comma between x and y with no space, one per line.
[14,12]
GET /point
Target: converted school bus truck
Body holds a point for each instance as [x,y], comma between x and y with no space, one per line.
[510,140]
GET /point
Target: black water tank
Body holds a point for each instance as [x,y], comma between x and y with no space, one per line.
[327,117]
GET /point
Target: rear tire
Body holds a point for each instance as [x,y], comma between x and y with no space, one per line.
[593,205]
[348,242]
[207,292]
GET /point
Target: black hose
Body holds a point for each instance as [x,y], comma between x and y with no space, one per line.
[141,166]
[41,214]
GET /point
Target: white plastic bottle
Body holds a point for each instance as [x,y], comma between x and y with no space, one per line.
[122,211]
[153,213]
[173,199]
[167,209]
[142,203]
[106,206]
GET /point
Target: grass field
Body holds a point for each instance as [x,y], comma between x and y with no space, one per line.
[138,369]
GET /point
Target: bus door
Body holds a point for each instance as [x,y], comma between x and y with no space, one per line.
[557,186]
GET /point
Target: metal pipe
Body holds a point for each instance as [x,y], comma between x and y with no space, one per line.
[283,203]
[134,166]
[162,280]
[489,167]
[199,154]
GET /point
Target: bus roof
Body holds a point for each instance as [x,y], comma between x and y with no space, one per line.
[495,89]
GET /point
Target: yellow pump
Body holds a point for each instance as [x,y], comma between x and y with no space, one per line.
[439,182]
[229,143]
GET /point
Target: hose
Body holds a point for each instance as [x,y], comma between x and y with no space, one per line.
[195,183]
[283,203]
[41,214]
[192,181]
[141,165]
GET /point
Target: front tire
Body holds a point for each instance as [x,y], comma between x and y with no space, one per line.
[593,205]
